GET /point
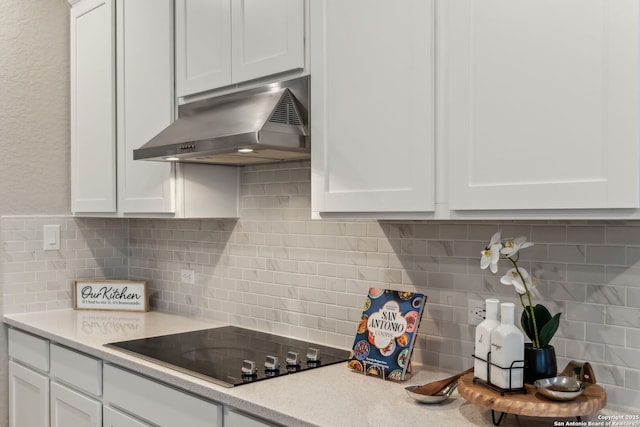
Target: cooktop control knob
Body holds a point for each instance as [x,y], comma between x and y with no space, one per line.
[293,358]
[248,368]
[271,363]
[313,355]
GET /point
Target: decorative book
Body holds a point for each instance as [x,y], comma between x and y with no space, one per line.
[386,333]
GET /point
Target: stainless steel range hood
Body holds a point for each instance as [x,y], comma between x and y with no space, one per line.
[261,125]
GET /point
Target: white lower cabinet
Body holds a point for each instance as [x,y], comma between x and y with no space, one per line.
[30,350]
[55,386]
[157,403]
[236,419]
[70,408]
[113,418]
[50,385]
[82,372]
[28,380]
[28,397]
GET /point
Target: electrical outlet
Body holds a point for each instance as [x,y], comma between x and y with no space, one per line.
[476,311]
[188,276]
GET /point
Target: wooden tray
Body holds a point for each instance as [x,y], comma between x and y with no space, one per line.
[532,403]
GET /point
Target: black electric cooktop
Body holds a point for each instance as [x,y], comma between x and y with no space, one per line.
[232,356]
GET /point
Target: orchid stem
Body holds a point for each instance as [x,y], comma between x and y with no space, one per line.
[531,313]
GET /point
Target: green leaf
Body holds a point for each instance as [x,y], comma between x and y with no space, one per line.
[527,323]
[542,315]
[548,330]
[547,325]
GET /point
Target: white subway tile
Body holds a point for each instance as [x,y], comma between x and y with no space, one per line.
[277,269]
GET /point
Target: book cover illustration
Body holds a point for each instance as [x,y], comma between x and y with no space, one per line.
[386,333]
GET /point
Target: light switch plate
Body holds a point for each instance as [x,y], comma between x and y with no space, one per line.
[51,237]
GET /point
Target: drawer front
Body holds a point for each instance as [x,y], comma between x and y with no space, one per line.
[114,418]
[29,350]
[157,403]
[237,419]
[76,369]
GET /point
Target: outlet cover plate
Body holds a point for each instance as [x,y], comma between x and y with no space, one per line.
[188,276]
[476,311]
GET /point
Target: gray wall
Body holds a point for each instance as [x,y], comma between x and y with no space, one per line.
[34,119]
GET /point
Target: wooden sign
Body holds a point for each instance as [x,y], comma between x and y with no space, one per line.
[104,294]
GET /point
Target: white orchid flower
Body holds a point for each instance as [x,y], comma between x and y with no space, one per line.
[512,246]
[491,254]
[511,277]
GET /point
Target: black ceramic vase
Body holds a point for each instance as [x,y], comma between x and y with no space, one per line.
[539,363]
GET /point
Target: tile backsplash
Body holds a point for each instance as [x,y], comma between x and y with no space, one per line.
[275,269]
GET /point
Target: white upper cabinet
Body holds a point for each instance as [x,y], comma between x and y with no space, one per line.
[541,104]
[224,42]
[203,45]
[126,48]
[145,102]
[372,104]
[536,111]
[93,113]
[267,38]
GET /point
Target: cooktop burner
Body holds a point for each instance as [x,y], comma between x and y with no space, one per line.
[231,356]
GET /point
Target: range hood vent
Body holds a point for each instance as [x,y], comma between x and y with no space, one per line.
[286,112]
[261,125]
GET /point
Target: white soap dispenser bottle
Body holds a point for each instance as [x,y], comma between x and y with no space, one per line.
[483,338]
[507,351]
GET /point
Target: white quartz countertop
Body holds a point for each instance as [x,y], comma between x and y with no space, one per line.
[332,396]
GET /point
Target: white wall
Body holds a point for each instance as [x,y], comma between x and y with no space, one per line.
[34,107]
[34,119]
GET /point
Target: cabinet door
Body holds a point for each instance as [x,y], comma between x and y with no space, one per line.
[267,37]
[203,45]
[28,397]
[70,408]
[145,102]
[93,116]
[372,106]
[542,104]
[114,418]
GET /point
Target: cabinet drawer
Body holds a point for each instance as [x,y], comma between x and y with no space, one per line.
[157,403]
[29,350]
[114,418]
[238,419]
[76,369]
